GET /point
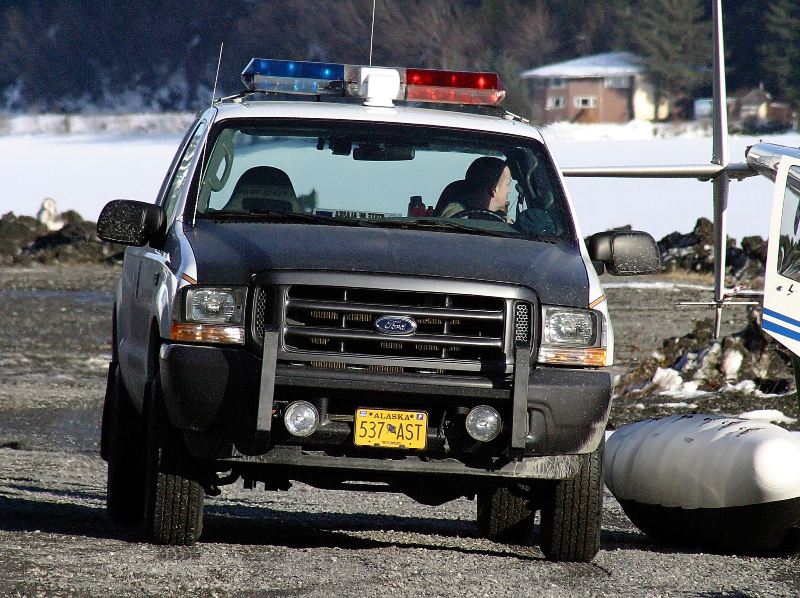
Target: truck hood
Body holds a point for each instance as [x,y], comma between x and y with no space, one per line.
[230,252]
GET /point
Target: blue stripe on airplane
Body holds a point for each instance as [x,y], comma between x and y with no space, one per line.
[771,327]
[778,316]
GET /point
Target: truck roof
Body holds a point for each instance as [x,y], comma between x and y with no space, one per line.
[352,111]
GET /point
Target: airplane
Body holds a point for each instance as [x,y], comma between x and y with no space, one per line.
[780,312]
[749,498]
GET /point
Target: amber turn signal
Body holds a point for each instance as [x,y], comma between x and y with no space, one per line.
[207,333]
[589,356]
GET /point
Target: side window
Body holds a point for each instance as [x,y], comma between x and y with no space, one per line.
[789,241]
[174,190]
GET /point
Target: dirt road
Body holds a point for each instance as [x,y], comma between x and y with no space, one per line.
[56,539]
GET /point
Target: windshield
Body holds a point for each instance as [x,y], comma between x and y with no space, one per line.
[379,175]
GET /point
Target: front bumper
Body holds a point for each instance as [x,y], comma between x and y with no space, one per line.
[224,400]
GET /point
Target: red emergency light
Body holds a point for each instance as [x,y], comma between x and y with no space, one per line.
[454,87]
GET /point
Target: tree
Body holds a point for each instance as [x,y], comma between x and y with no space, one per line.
[782,52]
[674,38]
[745,31]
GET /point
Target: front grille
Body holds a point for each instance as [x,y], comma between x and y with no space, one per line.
[262,304]
[522,322]
[339,320]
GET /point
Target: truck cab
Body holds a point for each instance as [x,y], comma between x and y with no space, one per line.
[325,291]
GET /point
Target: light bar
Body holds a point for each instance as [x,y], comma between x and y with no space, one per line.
[374,84]
[454,87]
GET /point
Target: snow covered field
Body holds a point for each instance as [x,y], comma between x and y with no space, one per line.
[83,162]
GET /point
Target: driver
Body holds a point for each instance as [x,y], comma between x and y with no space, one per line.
[487,184]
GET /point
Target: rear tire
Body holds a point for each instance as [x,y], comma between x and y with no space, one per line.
[572,513]
[504,513]
[173,495]
[124,448]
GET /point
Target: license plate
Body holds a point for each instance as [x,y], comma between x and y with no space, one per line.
[391,429]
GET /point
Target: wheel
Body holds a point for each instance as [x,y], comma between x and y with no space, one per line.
[572,513]
[173,495]
[124,450]
[479,214]
[505,513]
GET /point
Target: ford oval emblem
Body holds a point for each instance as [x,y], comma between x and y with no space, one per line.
[397,325]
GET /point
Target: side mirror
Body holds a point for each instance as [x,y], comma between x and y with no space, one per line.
[624,253]
[130,222]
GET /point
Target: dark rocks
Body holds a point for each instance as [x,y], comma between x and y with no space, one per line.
[694,252]
[24,241]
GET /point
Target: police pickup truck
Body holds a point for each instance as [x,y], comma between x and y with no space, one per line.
[325,291]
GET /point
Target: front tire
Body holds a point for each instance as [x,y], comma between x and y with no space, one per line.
[124,450]
[505,514]
[173,495]
[572,513]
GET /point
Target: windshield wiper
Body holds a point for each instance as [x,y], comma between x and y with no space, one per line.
[275,215]
[442,225]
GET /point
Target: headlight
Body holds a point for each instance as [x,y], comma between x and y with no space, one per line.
[572,337]
[215,306]
[212,315]
[569,326]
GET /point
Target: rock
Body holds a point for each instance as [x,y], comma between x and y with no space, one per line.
[694,252]
[17,233]
[25,240]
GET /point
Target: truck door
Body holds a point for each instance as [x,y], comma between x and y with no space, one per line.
[781,315]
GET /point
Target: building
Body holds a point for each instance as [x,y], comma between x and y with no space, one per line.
[610,87]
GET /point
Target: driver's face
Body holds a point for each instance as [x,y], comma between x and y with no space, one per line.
[499,200]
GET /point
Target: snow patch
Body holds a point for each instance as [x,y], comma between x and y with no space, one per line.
[658,285]
[95,124]
[668,382]
[768,415]
[731,363]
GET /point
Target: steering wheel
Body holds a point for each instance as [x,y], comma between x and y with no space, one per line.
[479,214]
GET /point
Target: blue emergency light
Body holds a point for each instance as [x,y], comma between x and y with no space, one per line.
[291,76]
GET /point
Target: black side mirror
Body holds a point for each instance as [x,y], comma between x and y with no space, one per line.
[624,253]
[130,222]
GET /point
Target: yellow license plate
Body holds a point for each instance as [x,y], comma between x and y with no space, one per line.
[391,429]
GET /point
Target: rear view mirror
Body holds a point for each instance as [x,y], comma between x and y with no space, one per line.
[380,152]
[624,253]
[130,222]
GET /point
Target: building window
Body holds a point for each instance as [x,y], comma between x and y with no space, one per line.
[621,82]
[540,83]
[558,83]
[555,102]
[586,102]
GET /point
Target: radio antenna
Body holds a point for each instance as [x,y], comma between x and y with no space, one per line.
[203,165]
[216,77]
[372,32]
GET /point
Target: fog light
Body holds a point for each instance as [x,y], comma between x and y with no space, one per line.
[483,423]
[301,418]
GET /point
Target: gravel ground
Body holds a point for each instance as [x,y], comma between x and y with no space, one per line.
[56,539]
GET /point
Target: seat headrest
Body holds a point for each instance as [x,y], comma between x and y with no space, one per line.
[263,187]
[457,191]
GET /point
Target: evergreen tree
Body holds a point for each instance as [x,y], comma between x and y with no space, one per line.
[781,53]
[744,33]
[674,38]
